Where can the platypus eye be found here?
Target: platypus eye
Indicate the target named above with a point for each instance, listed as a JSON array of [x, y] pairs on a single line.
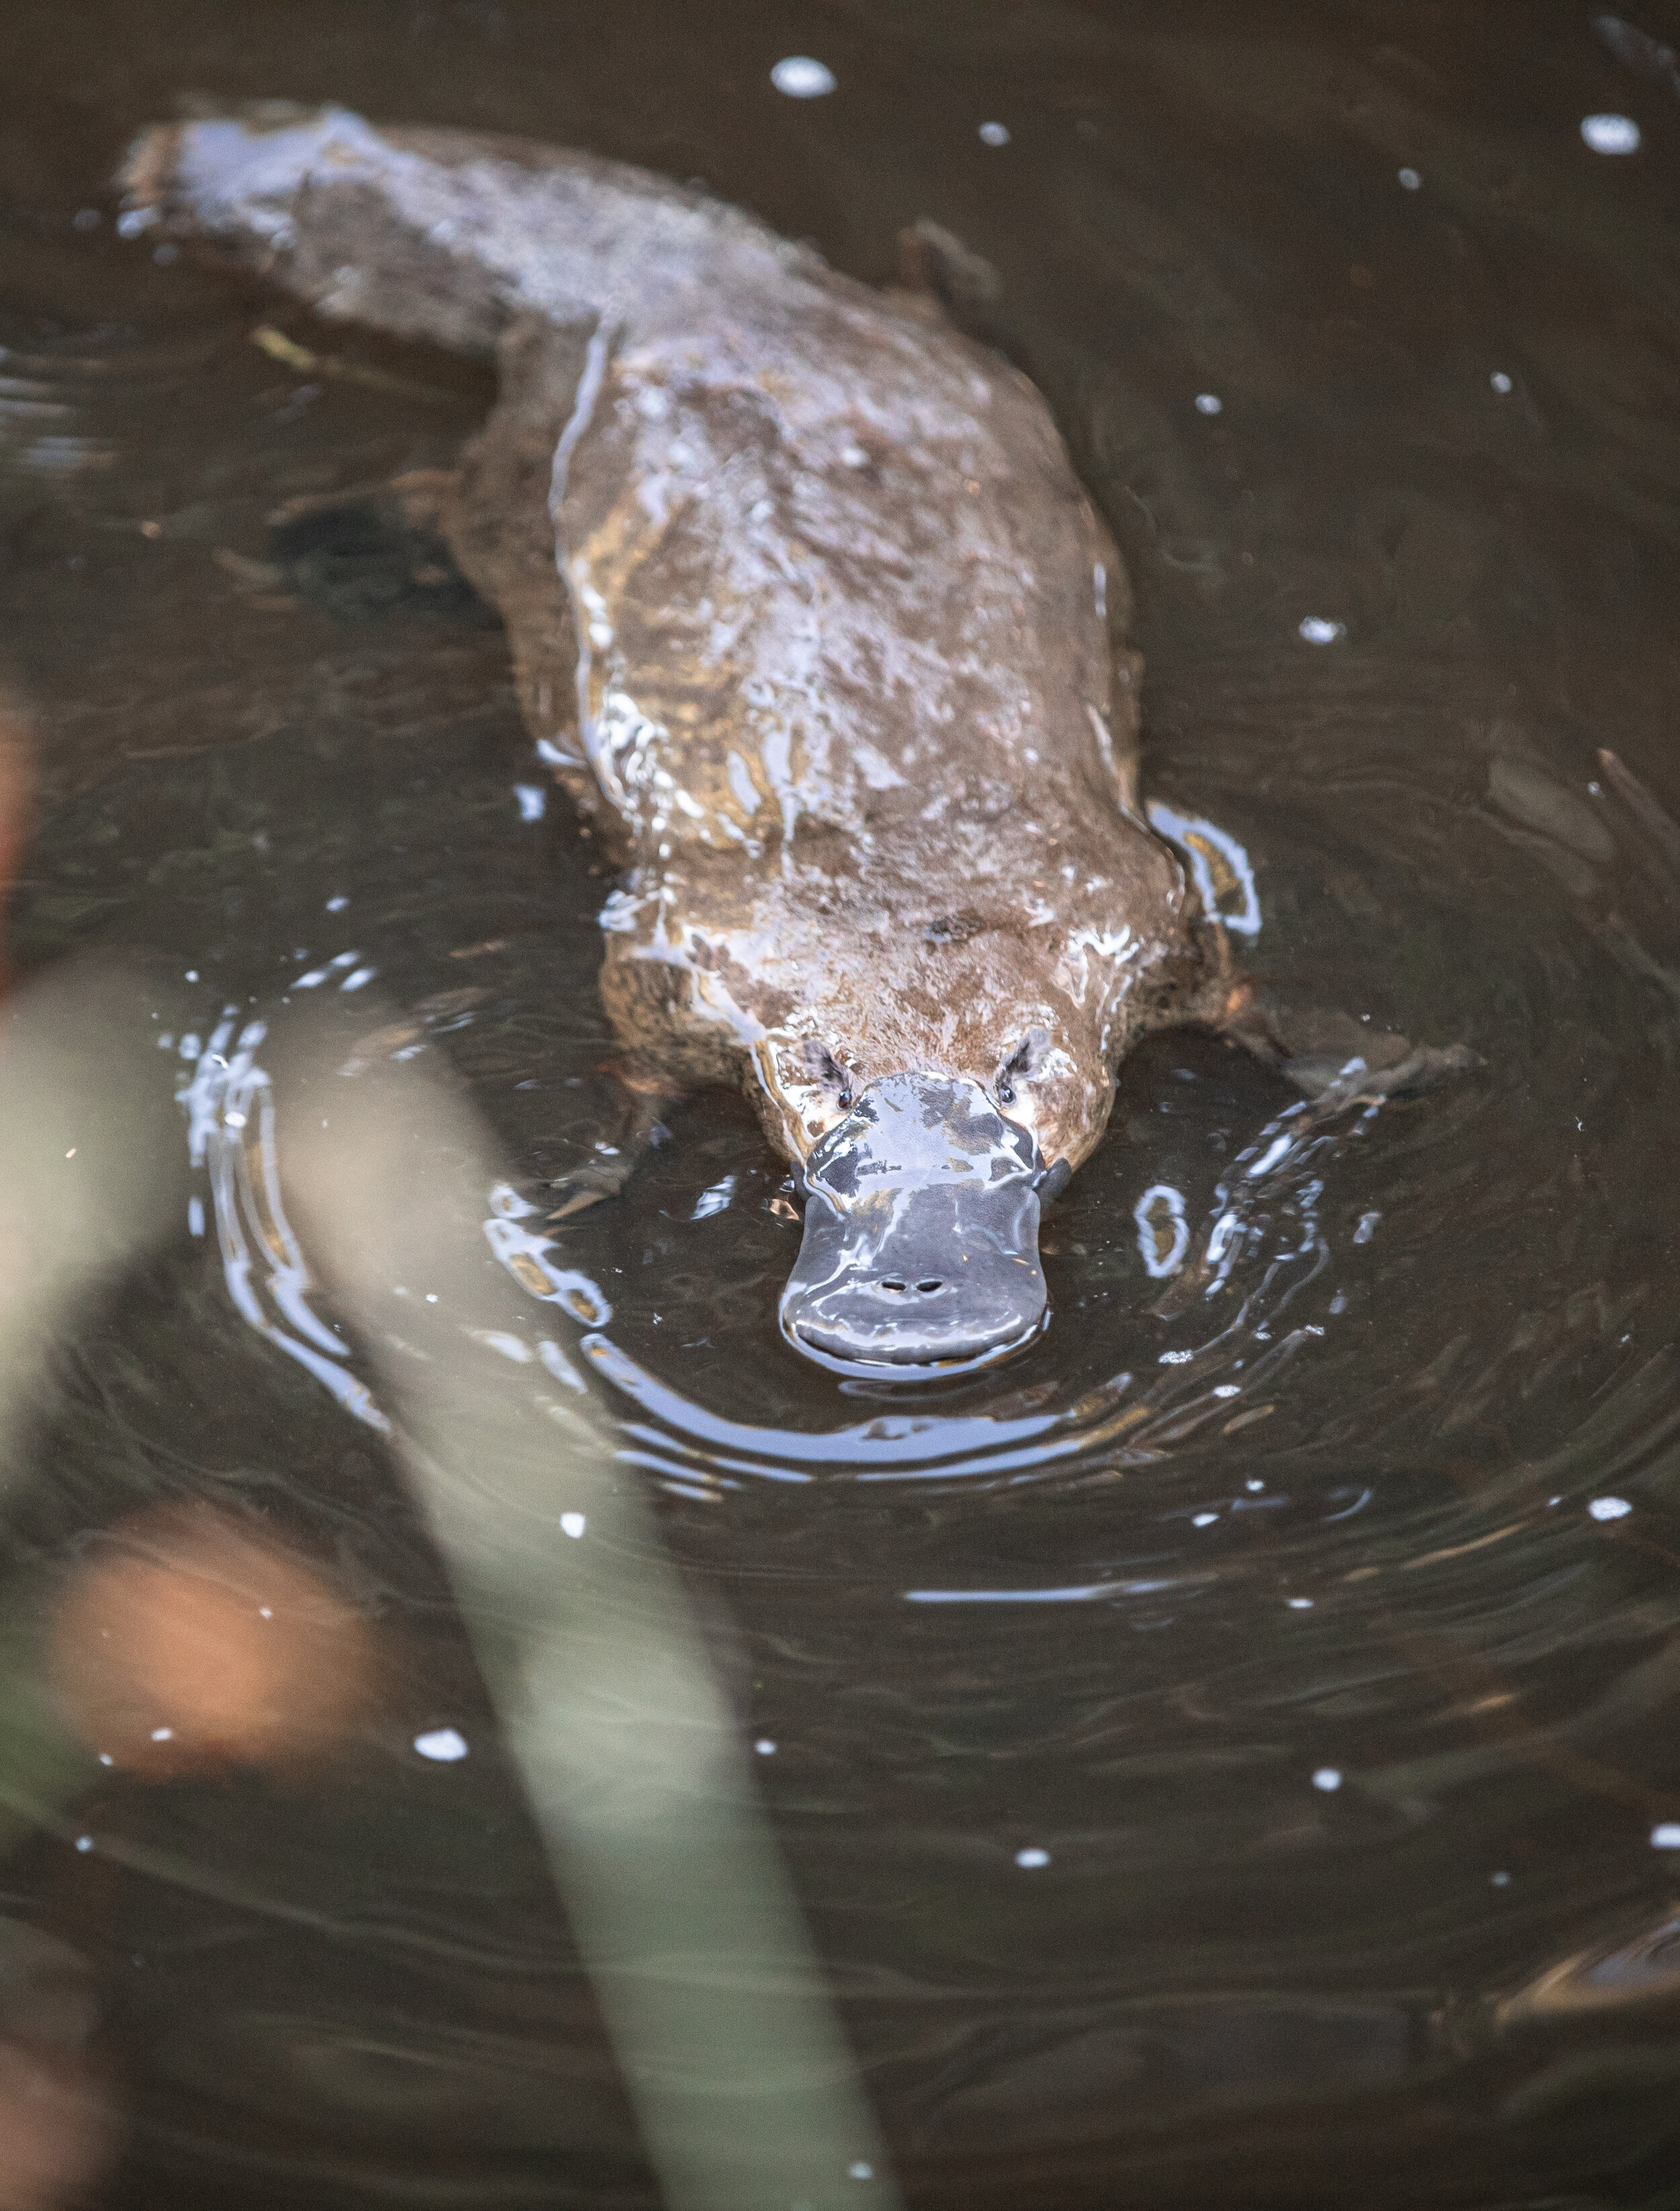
[[1023, 1064], [820, 1065]]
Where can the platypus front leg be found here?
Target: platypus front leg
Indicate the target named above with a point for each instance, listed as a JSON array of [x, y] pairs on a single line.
[[641, 1096], [1329, 1056]]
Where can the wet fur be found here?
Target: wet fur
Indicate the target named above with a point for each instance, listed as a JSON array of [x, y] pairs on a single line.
[[855, 709]]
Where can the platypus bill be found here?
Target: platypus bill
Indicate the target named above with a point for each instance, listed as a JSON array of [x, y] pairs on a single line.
[[810, 614]]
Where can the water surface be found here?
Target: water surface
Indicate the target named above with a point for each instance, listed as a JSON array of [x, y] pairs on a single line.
[[1220, 1752]]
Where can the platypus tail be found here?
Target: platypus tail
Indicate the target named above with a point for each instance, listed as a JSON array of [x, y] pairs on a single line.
[[443, 235]]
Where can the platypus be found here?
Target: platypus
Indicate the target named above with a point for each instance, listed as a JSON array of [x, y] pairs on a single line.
[[810, 613]]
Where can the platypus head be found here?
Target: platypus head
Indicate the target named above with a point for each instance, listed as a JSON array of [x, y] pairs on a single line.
[[920, 1253]]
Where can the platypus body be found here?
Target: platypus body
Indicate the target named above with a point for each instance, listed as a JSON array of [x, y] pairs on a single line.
[[811, 615]]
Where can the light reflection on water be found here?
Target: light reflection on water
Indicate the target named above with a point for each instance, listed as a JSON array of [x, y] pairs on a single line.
[[1050, 1660]]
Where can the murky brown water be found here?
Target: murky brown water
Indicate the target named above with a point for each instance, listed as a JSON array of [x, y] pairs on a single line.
[[1220, 1754]]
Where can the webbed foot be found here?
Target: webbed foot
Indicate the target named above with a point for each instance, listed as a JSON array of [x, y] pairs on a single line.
[[603, 1176], [639, 1099], [374, 549], [1331, 1058]]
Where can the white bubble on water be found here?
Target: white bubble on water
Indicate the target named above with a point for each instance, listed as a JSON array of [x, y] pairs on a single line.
[[1609, 1508], [1328, 1778], [1664, 1837], [1317, 630], [1410, 180], [1501, 382], [1209, 402], [1032, 1858], [1610, 134], [802, 78], [572, 1524], [994, 134], [442, 1745]]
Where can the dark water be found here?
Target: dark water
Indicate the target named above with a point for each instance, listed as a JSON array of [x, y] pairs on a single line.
[[1263, 1605]]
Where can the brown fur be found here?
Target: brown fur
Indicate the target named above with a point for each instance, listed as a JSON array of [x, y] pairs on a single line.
[[853, 705]]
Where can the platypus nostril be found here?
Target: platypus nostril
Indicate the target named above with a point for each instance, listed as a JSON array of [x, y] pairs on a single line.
[[927, 1287], [893, 1283]]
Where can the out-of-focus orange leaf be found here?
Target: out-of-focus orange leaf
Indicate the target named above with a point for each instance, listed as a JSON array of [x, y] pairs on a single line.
[[184, 1639]]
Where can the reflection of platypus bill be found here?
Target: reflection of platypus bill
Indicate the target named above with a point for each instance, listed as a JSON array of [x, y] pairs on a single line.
[[810, 609]]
